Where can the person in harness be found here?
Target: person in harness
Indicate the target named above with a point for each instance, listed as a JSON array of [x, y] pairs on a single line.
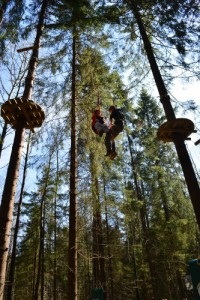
[[98, 123], [115, 129]]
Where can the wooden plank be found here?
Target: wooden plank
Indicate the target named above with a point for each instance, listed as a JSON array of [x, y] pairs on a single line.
[[27, 48], [197, 142]]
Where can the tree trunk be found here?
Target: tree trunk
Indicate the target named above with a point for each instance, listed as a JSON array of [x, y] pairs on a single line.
[[7, 203], [190, 177], [34, 272], [55, 233], [99, 278], [98, 251], [11, 275], [110, 265], [34, 57], [40, 262], [72, 255], [41, 270]]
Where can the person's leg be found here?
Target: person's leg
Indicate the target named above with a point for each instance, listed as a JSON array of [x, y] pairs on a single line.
[[114, 133], [108, 143], [109, 139], [113, 146]]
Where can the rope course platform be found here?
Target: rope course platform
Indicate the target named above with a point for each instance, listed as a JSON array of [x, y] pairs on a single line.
[[17, 111], [182, 126]]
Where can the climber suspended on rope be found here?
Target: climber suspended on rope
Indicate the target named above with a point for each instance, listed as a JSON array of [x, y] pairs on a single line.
[[115, 129], [99, 125]]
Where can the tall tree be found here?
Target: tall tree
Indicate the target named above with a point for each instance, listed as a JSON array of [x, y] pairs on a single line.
[[72, 256], [7, 203]]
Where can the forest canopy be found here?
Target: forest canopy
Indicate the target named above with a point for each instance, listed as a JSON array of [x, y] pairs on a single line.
[[75, 224]]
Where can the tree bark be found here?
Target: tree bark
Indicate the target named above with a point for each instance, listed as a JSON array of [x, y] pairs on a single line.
[[7, 203]]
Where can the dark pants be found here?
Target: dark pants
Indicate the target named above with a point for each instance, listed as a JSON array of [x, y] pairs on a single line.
[[111, 135]]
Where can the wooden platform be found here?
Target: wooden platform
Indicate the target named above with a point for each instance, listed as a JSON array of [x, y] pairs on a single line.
[[180, 125], [15, 111]]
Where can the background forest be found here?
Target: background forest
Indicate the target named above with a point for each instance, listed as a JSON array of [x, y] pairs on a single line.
[[84, 226]]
